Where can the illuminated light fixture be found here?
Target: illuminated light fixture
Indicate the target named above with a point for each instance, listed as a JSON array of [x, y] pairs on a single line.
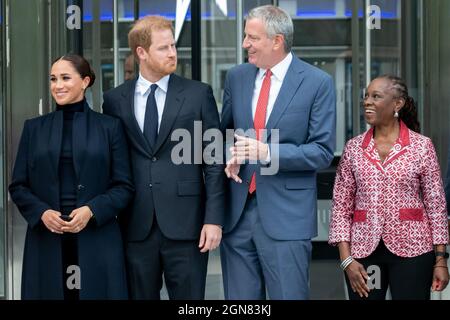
[[182, 9]]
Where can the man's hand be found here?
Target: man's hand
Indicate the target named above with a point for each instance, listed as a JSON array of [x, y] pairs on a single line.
[[210, 237], [232, 170], [80, 218], [249, 149]]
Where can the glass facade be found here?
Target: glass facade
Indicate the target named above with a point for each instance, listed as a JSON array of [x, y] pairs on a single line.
[[332, 49], [2, 157]]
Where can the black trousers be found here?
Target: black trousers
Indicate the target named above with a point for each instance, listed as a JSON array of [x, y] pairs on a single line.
[[69, 247], [179, 261], [407, 278]]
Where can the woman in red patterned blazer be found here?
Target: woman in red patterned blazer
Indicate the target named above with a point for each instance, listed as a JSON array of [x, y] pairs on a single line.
[[389, 216]]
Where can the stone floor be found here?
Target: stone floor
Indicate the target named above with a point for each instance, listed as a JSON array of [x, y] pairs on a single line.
[[326, 279]]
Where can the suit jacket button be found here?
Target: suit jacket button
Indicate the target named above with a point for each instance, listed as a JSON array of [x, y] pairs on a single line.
[[154, 159], [80, 187], [150, 185]]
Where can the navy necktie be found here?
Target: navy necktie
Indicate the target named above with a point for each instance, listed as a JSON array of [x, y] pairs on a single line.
[[151, 117]]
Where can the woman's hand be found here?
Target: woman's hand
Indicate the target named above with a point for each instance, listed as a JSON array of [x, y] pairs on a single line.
[[52, 221], [358, 277], [80, 218], [440, 275]]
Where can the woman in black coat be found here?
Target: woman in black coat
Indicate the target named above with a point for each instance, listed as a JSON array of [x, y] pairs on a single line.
[[71, 180]]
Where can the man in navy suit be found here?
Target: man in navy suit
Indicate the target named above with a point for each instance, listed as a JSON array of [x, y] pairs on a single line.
[[178, 209], [272, 218]]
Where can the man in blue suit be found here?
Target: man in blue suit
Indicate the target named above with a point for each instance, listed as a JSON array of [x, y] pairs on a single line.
[[272, 218]]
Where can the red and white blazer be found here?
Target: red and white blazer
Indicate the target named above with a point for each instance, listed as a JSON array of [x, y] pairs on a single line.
[[400, 200]]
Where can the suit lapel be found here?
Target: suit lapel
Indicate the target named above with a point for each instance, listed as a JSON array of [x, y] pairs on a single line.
[[79, 138], [247, 95], [289, 87], [400, 147], [127, 110], [172, 106], [55, 140]]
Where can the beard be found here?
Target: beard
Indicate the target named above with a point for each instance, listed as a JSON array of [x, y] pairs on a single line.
[[170, 67]]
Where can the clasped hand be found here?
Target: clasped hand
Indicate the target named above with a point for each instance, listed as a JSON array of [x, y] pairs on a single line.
[[79, 219]]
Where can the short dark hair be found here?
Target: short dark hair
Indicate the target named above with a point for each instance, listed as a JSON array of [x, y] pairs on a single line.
[[80, 64]]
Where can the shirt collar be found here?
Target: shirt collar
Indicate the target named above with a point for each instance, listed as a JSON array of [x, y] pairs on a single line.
[[279, 70], [143, 85], [403, 137]]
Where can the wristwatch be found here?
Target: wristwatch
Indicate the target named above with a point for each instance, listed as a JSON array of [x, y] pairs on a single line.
[[441, 254]]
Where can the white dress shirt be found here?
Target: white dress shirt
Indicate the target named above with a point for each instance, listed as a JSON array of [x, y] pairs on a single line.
[[276, 80], [141, 93]]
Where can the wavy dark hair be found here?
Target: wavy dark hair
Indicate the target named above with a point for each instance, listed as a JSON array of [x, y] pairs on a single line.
[[408, 114]]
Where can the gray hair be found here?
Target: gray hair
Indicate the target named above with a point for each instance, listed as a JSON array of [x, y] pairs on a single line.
[[277, 21]]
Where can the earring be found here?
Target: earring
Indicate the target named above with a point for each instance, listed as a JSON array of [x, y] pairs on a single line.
[[396, 114]]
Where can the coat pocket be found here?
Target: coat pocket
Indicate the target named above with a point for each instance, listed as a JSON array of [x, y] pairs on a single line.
[[359, 216], [411, 214]]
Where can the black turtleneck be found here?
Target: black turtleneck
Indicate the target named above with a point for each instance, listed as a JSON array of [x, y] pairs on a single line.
[[67, 178], [71, 108]]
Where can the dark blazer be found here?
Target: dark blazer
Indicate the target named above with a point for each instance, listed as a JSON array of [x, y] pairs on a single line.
[[183, 196], [104, 184]]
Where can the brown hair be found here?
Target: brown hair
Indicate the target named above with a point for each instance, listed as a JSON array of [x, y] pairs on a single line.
[[140, 34], [408, 114], [80, 64]]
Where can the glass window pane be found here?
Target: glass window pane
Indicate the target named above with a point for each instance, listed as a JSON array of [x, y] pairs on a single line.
[[98, 36], [385, 43], [219, 36], [322, 37], [250, 4], [2, 212], [315, 9], [219, 41]]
